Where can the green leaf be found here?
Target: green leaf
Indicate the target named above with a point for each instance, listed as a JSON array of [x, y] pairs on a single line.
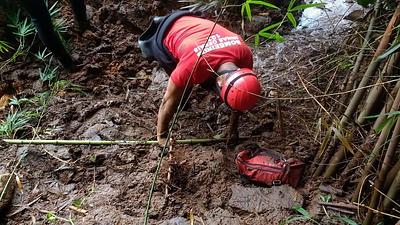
[[389, 114], [257, 40], [390, 121], [292, 19], [4, 46], [248, 11], [389, 51], [269, 5], [346, 220], [276, 36], [293, 219], [365, 3], [291, 3], [301, 210], [305, 6], [270, 27], [243, 9]]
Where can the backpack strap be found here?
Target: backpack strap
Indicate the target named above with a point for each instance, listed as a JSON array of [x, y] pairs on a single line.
[[151, 41]]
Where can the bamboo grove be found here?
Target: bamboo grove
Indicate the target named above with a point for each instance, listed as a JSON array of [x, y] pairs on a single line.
[[369, 169]]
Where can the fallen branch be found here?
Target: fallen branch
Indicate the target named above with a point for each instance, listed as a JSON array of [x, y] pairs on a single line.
[[339, 205], [340, 210]]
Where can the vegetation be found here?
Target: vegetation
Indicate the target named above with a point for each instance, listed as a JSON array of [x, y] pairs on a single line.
[[271, 31]]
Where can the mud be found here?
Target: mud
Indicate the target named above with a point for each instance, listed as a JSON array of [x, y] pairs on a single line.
[[121, 99]]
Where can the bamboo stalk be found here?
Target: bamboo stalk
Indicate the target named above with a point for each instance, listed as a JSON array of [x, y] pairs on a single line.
[[391, 175], [384, 170], [115, 142], [355, 161], [373, 66], [374, 96], [392, 193], [360, 56], [377, 91], [377, 148]]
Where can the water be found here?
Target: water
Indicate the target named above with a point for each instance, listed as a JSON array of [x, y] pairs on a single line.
[[329, 19]]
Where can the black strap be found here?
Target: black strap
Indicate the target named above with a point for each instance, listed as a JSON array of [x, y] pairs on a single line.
[[230, 86]]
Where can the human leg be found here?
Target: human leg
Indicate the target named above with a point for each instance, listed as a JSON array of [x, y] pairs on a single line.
[[42, 20]]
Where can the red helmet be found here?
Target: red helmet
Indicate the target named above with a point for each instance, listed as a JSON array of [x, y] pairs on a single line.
[[241, 90]]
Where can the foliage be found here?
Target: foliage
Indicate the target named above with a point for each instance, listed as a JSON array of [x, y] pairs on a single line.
[[391, 118], [326, 198], [49, 73], [13, 122], [27, 112], [365, 3], [51, 217], [271, 31], [305, 216], [42, 55], [4, 47], [345, 220]]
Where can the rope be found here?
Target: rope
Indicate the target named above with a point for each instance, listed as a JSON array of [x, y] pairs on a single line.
[[151, 191]]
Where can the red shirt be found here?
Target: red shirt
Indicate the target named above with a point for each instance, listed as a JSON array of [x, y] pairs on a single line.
[[186, 39]]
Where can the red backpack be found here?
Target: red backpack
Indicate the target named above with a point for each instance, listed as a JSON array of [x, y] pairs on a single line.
[[269, 167]]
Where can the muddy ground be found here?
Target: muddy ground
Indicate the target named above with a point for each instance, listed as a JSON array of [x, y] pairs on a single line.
[[122, 95]]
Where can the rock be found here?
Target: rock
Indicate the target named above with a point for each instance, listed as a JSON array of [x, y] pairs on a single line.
[[176, 221], [160, 80], [92, 133], [259, 200], [61, 152], [221, 217], [9, 193]]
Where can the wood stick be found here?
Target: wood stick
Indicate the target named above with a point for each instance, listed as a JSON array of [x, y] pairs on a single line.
[[339, 205], [340, 210]]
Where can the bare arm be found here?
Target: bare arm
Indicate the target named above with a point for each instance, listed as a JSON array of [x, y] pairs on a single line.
[[167, 109]]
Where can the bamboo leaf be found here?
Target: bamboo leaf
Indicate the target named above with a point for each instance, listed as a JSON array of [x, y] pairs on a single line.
[[243, 9], [293, 219], [343, 139], [248, 11], [390, 121], [276, 36], [389, 51], [257, 40], [305, 6], [270, 27], [394, 113], [291, 3], [269, 5], [302, 211], [346, 220], [292, 19]]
